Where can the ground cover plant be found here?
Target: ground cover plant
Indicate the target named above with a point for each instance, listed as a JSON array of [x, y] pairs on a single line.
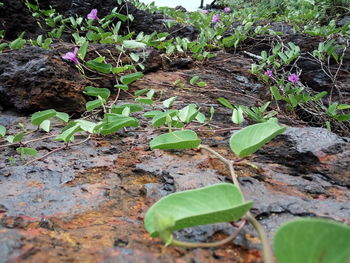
[[302, 240]]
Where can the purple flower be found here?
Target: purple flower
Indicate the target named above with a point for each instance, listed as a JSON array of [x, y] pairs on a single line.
[[204, 11], [268, 73], [72, 56], [215, 19], [227, 10], [93, 15], [294, 78]]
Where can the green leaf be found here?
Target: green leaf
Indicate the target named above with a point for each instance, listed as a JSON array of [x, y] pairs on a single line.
[[208, 205], [312, 240], [102, 92], [122, 87], [276, 93], [201, 84], [226, 103], [91, 105], [128, 79], [2, 131], [67, 134], [134, 57], [185, 139], [83, 49], [114, 122], [342, 117], [40, 116], [237, 116], [151, 114], [140, 92], [86, 125], [169, 102], [134, 44], [250, 139], [200, 117], [27, 151], [144, 100], [161, 118], [45, 125], [99, 66], [188, 113], [194, 80], [133, 108], [62, 116], [17, 138]]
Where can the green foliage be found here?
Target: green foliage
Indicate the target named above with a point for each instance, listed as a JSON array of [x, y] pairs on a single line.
[[312, 240], [2, 131], [40, 116], [128, 79], [208, 205], [185, 139], [100, 66], [23, 151], [250, 139]]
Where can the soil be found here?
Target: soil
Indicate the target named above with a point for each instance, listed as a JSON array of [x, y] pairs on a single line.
[[86, 203]]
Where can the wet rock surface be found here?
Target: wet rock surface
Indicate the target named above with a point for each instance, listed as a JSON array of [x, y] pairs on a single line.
[[86, 203]]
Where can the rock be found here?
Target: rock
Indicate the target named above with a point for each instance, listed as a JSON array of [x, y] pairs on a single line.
[[10, 244], [33, 79]]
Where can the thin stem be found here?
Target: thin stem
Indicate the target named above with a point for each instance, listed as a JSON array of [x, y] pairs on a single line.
[[267, 251], [224, 160], [178, 243], [56, 150], [26, 142]]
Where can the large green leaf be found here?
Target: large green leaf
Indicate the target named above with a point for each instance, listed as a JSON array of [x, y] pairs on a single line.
[[40, 116], [185, 139], [252, 138], [313, 240], [208, 205]]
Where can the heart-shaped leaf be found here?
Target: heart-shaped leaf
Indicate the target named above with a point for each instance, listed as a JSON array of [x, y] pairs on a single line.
[[185, 139], [312, 240], [252, 138], [40, 116], [62, 116], [208, 205], [102, 92], [188, 113], [128, 79], [45, 125]]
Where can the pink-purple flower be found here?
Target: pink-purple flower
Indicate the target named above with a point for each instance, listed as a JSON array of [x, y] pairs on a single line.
[[93, 15], [72, 56], [205, 11], [227, 10], [294, 78], [268, 73], [216, 18]]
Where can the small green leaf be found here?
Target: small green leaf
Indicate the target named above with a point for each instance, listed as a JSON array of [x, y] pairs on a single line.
[[144, 100], [237, 116], [67, 134], [194, 80], [114, 122], [45, 125], [122, 87], [85, 125], [27, 151], [161, 118], [17, 138], [276, 93], [2, 131], [226, 103], [40, 116], [83, 49], [62, 116], [140, 92], [185, 139], [312, 240], [134, 57], [128, 79], [99, 66], [134, 44], [169, 102], [151, 114], [252, 138], [188, 113], [133, 108], [200, 117], [201, 84], [91, 105], [208, 205], [102, 92]]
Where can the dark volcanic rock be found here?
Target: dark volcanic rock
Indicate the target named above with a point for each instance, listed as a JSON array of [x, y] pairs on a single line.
[[33, 79]]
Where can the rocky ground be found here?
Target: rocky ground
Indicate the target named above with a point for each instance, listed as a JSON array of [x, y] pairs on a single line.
[[86, 203]]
